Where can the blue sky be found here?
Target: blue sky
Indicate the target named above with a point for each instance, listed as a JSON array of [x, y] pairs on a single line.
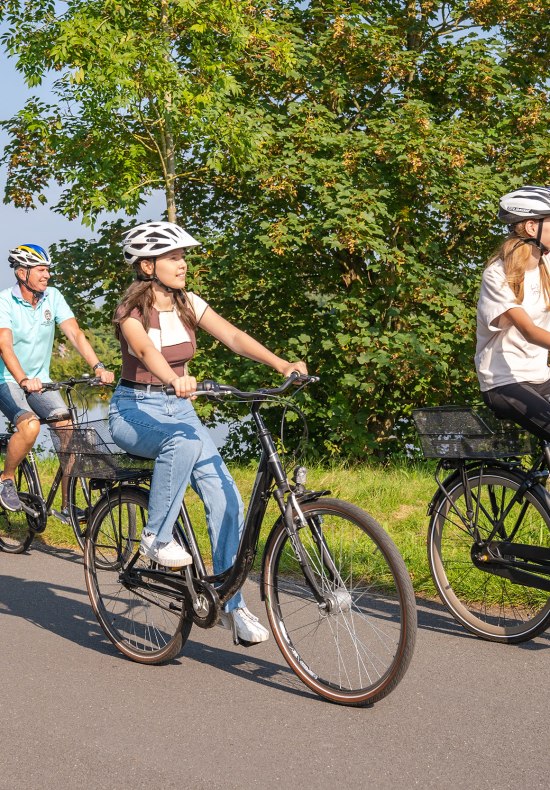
[[41, 226]]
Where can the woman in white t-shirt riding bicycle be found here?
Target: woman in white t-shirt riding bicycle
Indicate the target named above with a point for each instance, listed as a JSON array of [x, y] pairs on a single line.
[[155, 323], [513, 314]]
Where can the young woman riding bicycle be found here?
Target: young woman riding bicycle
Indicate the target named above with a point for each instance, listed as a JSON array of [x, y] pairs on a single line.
[[513, 316], [156, 323]]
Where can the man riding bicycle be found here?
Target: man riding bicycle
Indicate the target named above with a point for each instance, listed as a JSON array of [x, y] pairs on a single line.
[[29, 312]]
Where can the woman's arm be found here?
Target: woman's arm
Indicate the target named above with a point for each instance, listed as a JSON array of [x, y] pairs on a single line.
[[530, 331], [245, 345]]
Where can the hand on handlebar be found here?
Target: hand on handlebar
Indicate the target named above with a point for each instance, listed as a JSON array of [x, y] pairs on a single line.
[[294, 367], [32, 385], [184, 386], [104, 376]]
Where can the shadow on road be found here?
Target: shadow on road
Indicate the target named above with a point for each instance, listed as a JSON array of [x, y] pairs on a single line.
[[433, 616], [54, 607], [66, 611], [248, 667]]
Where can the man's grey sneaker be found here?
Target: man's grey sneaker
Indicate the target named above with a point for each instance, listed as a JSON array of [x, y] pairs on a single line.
[[9, 498], [172, 555], [63, 515], [245, 626]]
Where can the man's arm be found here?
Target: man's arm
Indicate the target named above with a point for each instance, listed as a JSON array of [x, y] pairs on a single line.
[[12, 363], [78, 339]]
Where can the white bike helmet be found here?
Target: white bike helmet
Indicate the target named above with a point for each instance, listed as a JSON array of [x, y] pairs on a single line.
[[152, 239], [525, 203], [28, 255]]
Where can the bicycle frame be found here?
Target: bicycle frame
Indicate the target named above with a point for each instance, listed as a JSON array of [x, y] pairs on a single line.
[[270, 471]]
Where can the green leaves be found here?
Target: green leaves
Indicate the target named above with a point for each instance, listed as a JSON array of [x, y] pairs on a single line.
[[341, 160]]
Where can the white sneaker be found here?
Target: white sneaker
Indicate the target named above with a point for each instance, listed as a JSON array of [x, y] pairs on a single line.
[[172, 555], [245, 626]]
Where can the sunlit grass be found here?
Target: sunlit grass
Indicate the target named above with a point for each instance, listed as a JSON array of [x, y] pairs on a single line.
[[397, 496]]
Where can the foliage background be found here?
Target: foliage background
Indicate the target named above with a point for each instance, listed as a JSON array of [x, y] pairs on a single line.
[[340, 161]]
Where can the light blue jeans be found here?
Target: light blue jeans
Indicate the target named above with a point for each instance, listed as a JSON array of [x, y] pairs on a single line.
[[166, 428]]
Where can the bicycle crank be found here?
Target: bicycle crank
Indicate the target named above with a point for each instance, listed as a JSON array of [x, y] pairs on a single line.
[[205, 603]]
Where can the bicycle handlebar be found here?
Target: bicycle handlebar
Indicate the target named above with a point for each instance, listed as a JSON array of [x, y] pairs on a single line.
[[72, 382], [212, 389], [207, 388]]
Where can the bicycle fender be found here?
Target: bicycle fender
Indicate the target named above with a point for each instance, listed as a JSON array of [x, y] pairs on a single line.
[[117, 488], [450, 480]]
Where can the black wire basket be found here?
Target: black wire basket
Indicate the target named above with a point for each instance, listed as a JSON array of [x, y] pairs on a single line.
[[461, 432], [89, 451]]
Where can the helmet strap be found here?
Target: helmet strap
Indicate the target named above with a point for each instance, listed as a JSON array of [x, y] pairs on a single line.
[[153, 278], [25, 283], [538, 242], [534, 242]]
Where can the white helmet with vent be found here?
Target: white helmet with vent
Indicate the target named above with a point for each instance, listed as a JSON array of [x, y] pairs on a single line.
[[152, 239], [525, 203]]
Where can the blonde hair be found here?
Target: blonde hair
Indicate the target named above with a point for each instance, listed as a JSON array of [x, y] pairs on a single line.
[[515, 254]]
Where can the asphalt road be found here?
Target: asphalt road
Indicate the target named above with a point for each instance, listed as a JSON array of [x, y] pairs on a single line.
[[468, 714]]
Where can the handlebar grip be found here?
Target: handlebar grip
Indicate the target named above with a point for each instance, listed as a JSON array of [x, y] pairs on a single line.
[[208, 385]]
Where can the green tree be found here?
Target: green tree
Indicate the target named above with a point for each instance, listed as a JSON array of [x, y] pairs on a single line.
[[362, 233], [343, 171], [141, 85]]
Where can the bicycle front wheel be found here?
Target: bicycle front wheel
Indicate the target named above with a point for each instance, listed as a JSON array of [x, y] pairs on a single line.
[[351, 644], [17, 529], [143, 623], [490, 606], [82, 495]]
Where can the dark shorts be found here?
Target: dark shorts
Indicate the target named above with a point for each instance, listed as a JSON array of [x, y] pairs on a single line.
[[14, 402], [524, 403]]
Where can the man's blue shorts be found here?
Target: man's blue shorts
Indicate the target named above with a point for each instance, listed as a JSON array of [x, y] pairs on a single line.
[[14, 402]]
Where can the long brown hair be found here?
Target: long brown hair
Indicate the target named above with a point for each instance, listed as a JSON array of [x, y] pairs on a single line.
[[515, 255], [140, 295]]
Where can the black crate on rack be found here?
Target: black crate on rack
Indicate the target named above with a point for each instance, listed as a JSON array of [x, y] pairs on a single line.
[[461, 432]]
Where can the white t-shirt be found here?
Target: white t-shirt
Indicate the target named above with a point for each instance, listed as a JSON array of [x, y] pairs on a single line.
[[503, 355]]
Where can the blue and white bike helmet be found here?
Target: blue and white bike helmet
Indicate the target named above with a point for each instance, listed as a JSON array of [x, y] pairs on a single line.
[[28, 255]]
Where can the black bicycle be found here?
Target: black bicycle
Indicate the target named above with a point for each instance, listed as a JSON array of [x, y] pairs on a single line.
[[339, 600], [17, 529], [489, 530]]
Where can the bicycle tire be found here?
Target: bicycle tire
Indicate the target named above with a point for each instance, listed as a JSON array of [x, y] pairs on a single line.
[[139, 622], [489, 606], [357, 653], [81, 496], [17, 528]]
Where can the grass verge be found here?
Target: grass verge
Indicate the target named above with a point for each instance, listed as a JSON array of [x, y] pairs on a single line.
[[396, 496]]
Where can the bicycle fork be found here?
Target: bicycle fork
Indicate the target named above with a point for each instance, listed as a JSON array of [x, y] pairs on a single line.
[[337, 598]]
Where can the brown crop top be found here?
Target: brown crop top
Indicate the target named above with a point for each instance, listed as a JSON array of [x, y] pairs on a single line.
[[175, 342]]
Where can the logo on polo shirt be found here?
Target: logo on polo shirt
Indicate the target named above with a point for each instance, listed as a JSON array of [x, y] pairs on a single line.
[[47, 315]]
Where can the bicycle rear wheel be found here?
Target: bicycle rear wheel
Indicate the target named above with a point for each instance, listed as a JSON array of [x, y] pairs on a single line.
[[142, 622], [490, 606], [355, 645], [17, 529]]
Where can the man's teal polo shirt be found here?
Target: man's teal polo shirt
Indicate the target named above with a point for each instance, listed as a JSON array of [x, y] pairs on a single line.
[[33, 330]]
